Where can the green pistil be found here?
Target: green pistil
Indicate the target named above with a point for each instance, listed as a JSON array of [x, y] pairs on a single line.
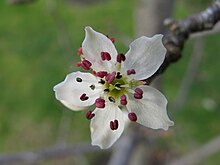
[[117, 87]]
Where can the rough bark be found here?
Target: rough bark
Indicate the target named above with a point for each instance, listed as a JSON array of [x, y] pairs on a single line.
[[180, 31]]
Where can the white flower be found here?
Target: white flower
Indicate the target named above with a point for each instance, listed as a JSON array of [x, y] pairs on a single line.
[[116, 89]]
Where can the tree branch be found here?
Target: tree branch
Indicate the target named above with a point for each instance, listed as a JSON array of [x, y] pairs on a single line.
[[199, 155], [47, 153], [180, 31]]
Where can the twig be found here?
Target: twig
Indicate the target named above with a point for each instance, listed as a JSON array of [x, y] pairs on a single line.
[[47, 153], [180, 30], [200, 154]]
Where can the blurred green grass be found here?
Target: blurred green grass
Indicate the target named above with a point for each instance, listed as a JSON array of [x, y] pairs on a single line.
[[33, 59]]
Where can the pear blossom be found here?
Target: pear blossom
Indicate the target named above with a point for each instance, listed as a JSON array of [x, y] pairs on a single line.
[[115, 87]]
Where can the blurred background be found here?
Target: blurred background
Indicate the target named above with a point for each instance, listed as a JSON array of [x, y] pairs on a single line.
[[38, 47]]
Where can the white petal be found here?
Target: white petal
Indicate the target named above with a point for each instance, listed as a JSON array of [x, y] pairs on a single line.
[[145, 56], [92, 46], [69, 91], [101, 133], [72, 106], [151, 109]]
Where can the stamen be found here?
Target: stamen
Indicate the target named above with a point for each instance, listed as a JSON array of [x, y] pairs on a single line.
[[89, 115], [100, 103], [101, 74], [131, 71], [86, 64], [92, 87], [112, 99], [114, 125], [138, 93], [106, 90], [132, 116], [110, 77], [118, 85], [79, 52], [102, 81], [118, 76], [123, 100], [120, 57], [83, 97], [78, 79], [105, 56]]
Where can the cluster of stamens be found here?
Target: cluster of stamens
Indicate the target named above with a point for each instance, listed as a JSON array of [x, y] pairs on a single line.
[[114, 86]]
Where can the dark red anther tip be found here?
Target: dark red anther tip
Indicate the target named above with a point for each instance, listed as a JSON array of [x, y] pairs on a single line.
[[101, 74], [110, 77], [100, 103], [86, 64], [131, 71], [83, 97], [114, 125], [139, 91], [120, 57], [105, 56], [123, 100], [89, 115], [132, 116]]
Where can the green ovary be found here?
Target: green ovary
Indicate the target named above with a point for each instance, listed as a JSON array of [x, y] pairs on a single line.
[[116, 92]]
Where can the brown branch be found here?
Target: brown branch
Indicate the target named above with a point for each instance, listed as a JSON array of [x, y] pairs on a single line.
[[200, 154], [47, 153], [180, 30]]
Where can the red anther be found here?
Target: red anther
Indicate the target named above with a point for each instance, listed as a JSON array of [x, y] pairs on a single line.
[[139, 91], [105, 56], [100, 103], [79, 52], [132, 116], [138, 96], [86, 64], [78, 64], [101, 74], [83, 97], [131, 71], [89, 115], [120, 57], [110, 77], [112, 39], [123, 100], [114, 125]]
